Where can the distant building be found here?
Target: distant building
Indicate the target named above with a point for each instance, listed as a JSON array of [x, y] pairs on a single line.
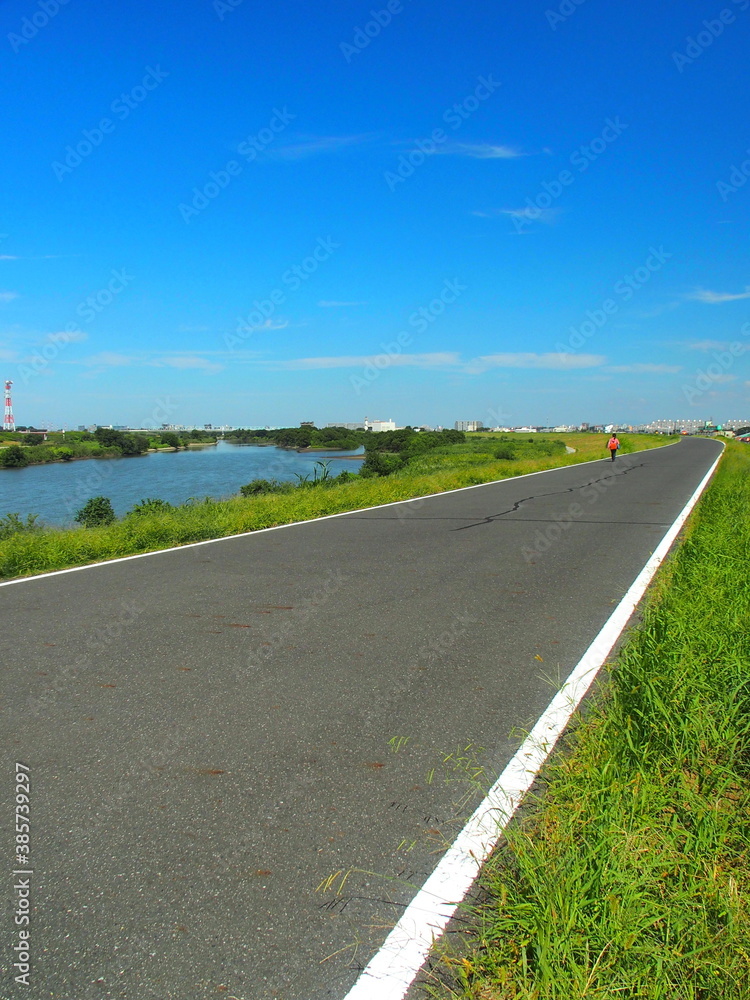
[[376, 426], [307, 423], [468, 425]]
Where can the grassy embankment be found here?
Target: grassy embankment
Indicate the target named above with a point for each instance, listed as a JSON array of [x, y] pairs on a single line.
[[440, 469], [631, 878]]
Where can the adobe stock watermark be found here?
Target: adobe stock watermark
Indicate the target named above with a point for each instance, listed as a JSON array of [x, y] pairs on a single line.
[[718, 371], [711, 29], [88, 309], [738, 178], [147, 765], [224, 7], [93, 648], [419, 321], [249, 148], [565, 10], [622, 292], [122, 107], [370, 30], [560, 524], [455, 116], [327, 587], [439, 645], [91, 481], [32, 25], [581, 158], [291, 280]]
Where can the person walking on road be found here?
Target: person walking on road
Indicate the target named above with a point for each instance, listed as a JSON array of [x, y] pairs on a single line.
[[613, 444]]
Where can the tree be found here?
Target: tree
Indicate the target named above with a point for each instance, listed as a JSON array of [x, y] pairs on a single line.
[[133, 444], [108, 438], [14, 457], [95, 512], [170, 439], [379, 464]]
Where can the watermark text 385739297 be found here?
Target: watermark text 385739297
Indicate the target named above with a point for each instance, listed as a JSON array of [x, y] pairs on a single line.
[[22, 876]]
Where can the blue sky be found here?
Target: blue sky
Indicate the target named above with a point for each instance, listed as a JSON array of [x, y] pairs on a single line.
[[249, 214]]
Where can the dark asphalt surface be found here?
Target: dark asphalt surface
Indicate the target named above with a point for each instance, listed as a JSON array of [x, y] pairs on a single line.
[[210, 730]]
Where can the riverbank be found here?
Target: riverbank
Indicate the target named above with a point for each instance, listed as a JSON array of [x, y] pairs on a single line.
[[19, 450], [630, 875], [446, 468], [56, 491]]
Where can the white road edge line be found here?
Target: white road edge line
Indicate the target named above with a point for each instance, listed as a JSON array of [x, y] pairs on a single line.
[[313, 520], [393, 969]]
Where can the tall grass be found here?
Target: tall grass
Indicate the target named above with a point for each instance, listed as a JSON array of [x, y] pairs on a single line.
[[57, 549], [632, 877]]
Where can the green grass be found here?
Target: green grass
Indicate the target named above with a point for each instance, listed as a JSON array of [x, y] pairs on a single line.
[[630, 877], [24, 554]]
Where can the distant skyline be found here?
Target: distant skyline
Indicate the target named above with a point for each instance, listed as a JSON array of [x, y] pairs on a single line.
[[246, 215]]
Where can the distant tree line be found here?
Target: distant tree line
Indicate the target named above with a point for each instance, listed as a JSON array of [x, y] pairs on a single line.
[[335, 438], [390, 451], [104, 442]]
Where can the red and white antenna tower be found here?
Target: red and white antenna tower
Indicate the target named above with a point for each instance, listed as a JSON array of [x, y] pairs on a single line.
[[9, 423]]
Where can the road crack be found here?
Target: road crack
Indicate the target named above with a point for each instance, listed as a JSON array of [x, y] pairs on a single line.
[[540, 496]]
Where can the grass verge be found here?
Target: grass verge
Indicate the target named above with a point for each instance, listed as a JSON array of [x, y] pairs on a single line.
[[26, 553], [631, 877]]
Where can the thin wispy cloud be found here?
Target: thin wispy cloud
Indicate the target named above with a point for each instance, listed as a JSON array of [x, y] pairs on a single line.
[[317, 146], [525, 215], [657, 311], [643, 368], [717, 298], [182, 362], [67, 337], [45, 256], [480, 151], [107, 359], [266, 326], [708, 345], [325, 304], [188, 362], [438, 360], [8, 296], [552, 361], [450, 360]]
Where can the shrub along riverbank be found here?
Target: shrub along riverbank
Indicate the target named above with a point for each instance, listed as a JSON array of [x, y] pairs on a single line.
[[418, 471], [631, 877], [17, 450]]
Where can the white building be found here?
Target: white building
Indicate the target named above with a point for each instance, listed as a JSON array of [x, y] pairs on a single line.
[[379, 425], [468, 425]]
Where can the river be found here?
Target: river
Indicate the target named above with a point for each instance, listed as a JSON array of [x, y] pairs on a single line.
[[56, 491]]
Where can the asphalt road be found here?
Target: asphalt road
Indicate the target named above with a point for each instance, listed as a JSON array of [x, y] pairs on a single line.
[[215, 731]]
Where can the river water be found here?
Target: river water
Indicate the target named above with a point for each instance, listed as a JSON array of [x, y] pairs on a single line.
[[56, 491]]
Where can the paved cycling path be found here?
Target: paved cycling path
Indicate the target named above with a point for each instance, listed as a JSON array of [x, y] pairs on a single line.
[[211, 730]]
